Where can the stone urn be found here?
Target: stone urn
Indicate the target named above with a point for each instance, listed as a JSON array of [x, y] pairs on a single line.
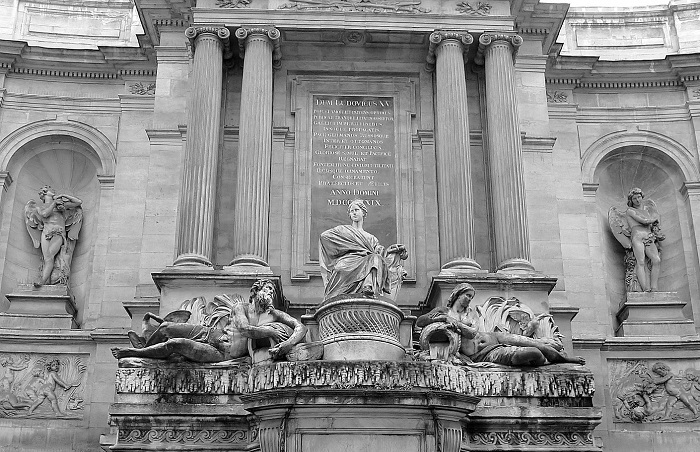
[[358, 328]]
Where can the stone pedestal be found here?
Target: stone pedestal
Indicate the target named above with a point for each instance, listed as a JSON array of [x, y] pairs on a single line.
[[352, 406], [653, 314], [43, 307], [177, 284]]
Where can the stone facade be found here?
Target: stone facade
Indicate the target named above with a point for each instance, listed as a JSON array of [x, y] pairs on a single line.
[[516, 126]]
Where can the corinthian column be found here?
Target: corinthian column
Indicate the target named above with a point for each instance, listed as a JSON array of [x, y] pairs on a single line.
[[456, 220], [198, 189], [505, 153], [259, 47]]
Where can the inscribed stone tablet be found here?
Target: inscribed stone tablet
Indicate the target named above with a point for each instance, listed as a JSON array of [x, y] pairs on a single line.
[[353, 156]]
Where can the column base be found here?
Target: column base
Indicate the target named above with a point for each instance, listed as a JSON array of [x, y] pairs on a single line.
[[516, 266], [196, 260], [462, 266]]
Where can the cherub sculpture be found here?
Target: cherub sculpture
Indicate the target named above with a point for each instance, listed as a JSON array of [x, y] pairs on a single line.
[[54, 227], [637, 229], [353, 262]]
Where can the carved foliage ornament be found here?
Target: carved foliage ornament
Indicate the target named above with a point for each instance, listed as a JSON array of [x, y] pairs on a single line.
[[511, 438], [172, 436], [143, 89], [42, 386], [481, 9], [557, 97], [369, 6], [233, 3]]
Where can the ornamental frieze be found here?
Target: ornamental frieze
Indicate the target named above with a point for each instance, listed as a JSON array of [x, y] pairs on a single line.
[[481, 8], [39, 386], [368, 6], [655, 391], [514, 438]]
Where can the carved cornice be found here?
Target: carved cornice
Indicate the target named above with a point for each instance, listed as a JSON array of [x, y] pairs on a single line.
[[487, 39], [222, 33], [438, 36], [272, 33]]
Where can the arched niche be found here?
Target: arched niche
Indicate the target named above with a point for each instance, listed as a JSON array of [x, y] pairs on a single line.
[[659, 175], [69, 165]]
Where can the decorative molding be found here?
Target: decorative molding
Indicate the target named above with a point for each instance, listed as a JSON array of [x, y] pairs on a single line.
[[272, 33], [695, 93], [5, 180], [481, 8], [143, 88], [180, 436], [62, 104], [633, 115], [562, 81], [376, 6], [64, 73], [639, 84], [557, 97], [138, 72], [438, 36], [233, 3], [487, 39], [514, 438]]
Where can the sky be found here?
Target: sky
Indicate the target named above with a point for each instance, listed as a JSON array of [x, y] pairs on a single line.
[[609, 3]]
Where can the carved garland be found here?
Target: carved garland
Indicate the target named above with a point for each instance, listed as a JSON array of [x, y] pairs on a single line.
[[233, 3], [557, 97], [370, 6], [143, 89], [481, 9]]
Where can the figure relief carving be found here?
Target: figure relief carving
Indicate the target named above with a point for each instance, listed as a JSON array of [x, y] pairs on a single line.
[[637, 229], [228, 328], [645, 392], [481, 8], [54, 227], [374, 6], [41, 386], [353, 262], [500, 332]]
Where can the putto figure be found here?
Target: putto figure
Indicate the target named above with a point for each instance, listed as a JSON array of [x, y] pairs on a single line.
[[637, 229], [485, 346], [54, 227], [353, 262]]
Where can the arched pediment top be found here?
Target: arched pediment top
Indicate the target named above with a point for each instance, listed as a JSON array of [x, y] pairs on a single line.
[[96, 140], [607, 144]]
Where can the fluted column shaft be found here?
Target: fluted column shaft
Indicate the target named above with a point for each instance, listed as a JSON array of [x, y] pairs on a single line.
[[255, 147], [455, 200], [198, 188], [505, 154]]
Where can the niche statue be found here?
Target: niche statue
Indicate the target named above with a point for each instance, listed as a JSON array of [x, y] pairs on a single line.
[[353, 262], [54, 227], [637, 229]]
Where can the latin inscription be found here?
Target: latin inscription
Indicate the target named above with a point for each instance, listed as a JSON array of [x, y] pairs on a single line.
[[353, 156]]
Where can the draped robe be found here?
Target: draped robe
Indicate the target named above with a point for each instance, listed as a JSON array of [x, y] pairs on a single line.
[[347, 256]]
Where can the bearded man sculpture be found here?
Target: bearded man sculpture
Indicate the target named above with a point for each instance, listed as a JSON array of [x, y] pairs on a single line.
[[353, 262]]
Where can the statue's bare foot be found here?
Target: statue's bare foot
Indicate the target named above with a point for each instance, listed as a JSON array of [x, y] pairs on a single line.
[[577, 360]]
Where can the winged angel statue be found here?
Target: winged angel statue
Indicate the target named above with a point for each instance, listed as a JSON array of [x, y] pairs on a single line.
[[54, 227], [637, 229]]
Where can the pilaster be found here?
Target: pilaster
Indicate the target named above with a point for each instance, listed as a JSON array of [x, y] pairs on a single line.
[[259, 47], [505, 162], [198, 189], [455, 199]]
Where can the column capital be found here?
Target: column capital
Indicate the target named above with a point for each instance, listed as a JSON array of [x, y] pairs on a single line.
[[439, 36], [222, 33], [270, 33], [486, 40]]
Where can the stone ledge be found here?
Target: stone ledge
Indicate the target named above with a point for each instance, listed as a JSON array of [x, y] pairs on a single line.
[[562, 380]]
